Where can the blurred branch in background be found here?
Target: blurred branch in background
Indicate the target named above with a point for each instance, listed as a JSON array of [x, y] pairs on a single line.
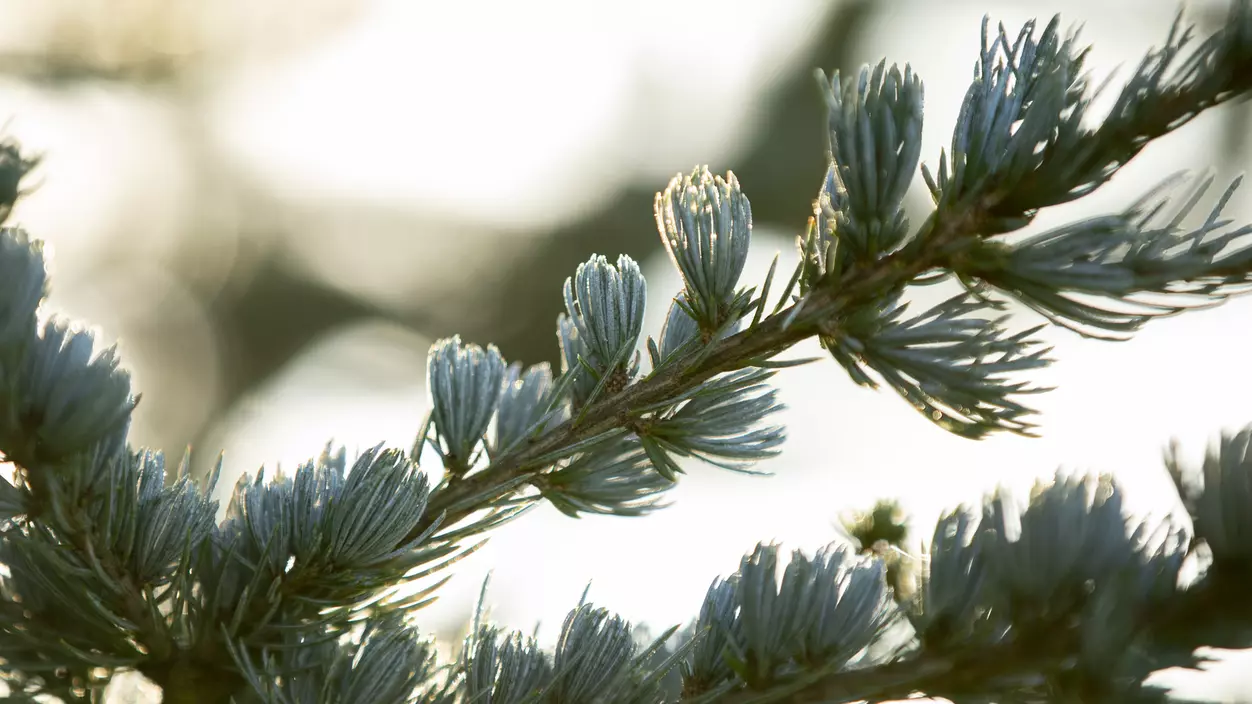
[[154, 42]]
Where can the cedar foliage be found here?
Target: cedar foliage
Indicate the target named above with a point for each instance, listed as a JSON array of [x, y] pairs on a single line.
[[303, 592]]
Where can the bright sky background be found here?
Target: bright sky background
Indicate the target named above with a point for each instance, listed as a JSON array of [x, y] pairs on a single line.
[[326, 128]]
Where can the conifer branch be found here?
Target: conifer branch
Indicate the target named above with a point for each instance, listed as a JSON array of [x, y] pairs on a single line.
[[293, 597], [1162, 96]]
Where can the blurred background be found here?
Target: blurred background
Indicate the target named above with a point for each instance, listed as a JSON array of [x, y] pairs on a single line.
[[275, 207]]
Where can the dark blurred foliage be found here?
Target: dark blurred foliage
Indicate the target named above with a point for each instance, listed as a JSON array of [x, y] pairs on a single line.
[[884, 523], [882, 531], [14, 169]]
